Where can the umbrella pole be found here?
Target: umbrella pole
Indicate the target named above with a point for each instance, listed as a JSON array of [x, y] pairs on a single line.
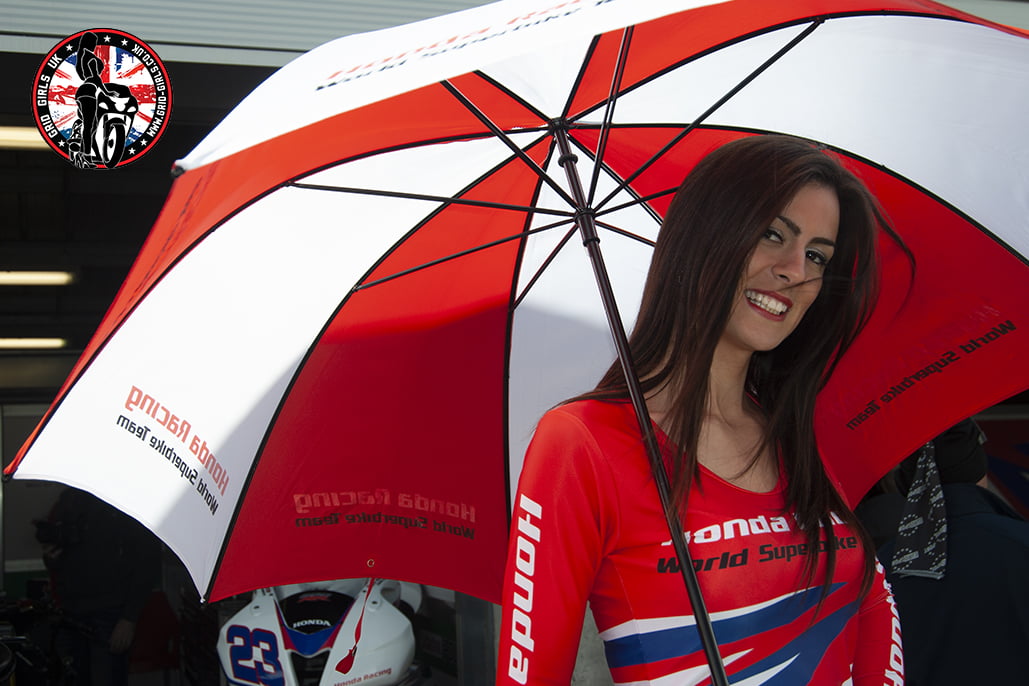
[[584, 220]]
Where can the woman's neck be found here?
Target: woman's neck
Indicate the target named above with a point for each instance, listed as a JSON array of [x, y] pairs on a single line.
[[727, 398], [731, 440]]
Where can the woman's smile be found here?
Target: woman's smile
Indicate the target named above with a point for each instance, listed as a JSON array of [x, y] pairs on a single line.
[[774, 305]]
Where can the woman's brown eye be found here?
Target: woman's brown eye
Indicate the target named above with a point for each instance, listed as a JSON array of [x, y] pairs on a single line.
[[818, 258]]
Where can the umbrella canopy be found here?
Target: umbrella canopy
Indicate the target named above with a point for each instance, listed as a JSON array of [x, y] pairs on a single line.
[[366, 285]]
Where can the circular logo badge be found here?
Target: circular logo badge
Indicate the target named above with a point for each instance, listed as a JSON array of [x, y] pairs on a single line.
[[101, 98]]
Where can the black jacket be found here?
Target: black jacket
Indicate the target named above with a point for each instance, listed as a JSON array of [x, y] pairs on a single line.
[[971, 626]]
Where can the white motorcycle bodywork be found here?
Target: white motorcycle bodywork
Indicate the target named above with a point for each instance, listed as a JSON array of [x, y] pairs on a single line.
[[370, 643]]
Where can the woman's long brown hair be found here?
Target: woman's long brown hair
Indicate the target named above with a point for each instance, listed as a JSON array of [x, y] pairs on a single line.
[[720, 212]]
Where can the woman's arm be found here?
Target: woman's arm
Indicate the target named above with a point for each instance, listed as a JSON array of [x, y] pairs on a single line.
[[879, 657], [556, 545]]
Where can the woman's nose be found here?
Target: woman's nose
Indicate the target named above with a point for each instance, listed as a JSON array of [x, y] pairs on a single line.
[[790, 266]]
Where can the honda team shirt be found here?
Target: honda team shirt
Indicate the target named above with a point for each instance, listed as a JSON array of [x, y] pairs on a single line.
[[588, 527]]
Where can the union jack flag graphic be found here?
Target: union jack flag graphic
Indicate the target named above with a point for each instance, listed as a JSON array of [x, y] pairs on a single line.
[[126, 66]]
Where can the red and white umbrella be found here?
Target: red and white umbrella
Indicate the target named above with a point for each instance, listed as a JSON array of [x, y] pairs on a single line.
[[367, 285]]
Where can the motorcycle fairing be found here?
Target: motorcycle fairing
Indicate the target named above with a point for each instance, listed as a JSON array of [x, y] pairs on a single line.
[[255, 647]]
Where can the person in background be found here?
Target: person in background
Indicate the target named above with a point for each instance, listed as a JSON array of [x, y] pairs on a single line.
[[957, 557], [103, 567], [763, 273]]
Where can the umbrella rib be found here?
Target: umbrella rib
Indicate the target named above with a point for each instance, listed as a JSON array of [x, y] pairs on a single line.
[[461, 253], [515, 97], [609, 109], [564, 241], [506, 140], [628, 234], [713, 108], [546, 263], [583, 68], [643, 200], [445, 199]]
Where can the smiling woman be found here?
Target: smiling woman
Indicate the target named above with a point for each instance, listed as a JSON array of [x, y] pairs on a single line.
[[763, 273]]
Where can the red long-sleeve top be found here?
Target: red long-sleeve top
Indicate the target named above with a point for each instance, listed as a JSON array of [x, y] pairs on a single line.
[[588, 527]]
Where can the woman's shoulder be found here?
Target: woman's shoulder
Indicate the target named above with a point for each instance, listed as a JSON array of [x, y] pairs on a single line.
[[610, 426], [595, 414], [590, 436]]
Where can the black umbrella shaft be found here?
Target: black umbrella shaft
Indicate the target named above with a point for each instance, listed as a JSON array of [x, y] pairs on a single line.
[[586, 224]]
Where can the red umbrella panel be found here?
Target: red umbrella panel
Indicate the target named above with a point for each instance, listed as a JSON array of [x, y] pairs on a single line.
[[367, 284]]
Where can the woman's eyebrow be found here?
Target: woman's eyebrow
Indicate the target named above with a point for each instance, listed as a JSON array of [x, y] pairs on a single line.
[[795, 229]]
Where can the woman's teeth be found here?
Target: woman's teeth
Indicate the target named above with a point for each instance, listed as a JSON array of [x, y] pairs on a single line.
[[766, 303]]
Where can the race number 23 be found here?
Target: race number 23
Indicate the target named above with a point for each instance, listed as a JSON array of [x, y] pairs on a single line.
[[254, 656]]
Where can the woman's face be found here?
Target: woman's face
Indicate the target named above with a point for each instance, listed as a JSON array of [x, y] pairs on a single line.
[[784, 274]]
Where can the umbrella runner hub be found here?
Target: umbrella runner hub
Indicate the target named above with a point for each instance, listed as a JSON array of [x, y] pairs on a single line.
[[558, 128]]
